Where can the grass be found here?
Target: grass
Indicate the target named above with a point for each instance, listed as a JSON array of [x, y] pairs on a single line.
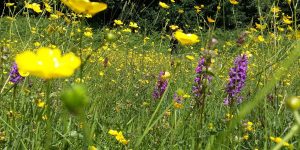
[[119, 76]]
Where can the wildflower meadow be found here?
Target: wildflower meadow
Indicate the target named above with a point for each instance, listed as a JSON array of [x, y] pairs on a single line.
[[148, 74]]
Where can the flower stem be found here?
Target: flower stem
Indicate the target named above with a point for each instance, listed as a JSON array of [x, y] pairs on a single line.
[[293, 131], [48, 117]]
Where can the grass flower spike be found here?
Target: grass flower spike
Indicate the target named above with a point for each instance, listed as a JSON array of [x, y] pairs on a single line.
[[85, 6], [47, 63], [186, 39]]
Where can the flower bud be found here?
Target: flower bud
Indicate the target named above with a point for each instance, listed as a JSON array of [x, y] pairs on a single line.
[[110, 36], [293, 103], [75, 99]]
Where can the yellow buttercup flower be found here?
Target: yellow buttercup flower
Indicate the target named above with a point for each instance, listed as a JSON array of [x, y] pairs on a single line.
[[260, 26], [173, 27], [133, 25], [126, 30], [189, 57], [233, 2], [34, 6], [210, 20], [280, 29], [163, 5], [186, 39], [113, 132], [48, 7], [260, 38], [181, 11], [287, 20], [166, 76], [85, 6], [178, 105], [53, 17], [119, 136], [88, 34], [40, 103], [47, 63], [278, 140], [275, 9], [118, 22], [246, 137]]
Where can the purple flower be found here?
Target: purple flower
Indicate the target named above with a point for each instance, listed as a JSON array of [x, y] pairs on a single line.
[[160, 86], [200, 77], [178, 98], [14, 75], [237, 79]]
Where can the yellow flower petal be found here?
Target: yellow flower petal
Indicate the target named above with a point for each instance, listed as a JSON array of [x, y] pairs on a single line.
[[85, 6], [186, 39]]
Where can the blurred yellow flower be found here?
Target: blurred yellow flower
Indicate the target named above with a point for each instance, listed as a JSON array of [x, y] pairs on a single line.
[[113, 132], [280, 29], [85, 6], [34, 6], [40, 103], [163, 5], [278, 140], [260, 38], [166, 76], [133, 24], [37, 44], [101, 73], [54, 17], [246, 137], [126, 30], [178, 105], [119, 136], [118, 22], [9, 4], [233, 2], [181, 11], [287, 20], [189, 57], [92, 148], [48, 8], [47, 63], [261, 27], [275, 9], [197, 8], [210, 20], [186, 96], [173, 27], [186, 39], [88, 34]]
